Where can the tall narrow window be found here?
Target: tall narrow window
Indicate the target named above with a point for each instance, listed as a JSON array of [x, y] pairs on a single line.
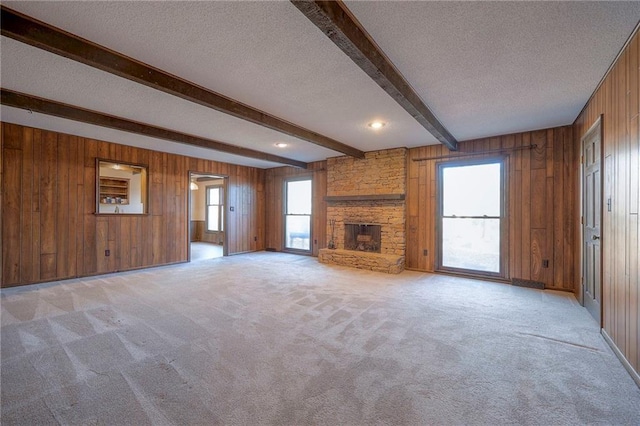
[[297, 215], [471, 220], [215, 208]]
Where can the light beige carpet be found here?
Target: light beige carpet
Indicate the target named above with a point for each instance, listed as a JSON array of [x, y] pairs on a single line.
[[271, 338]]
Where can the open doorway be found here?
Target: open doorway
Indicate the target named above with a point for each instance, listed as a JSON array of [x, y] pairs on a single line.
[[207, 221]]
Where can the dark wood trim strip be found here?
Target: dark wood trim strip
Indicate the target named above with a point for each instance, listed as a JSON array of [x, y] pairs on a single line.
[[70, 112], [39, 34], [369, 197], [336, 22]]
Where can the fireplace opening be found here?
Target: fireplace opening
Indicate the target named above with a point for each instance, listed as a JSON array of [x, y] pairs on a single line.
[[362, 237]]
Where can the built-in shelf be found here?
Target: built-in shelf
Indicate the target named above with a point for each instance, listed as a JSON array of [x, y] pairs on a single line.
[[368, 197], [114, 191]]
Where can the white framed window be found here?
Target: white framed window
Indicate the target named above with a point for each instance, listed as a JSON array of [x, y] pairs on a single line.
[[215, 208], [297, 214], [472, 225]]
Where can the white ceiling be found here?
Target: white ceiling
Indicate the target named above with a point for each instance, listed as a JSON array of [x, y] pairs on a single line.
[[494, 68], [484, 68]]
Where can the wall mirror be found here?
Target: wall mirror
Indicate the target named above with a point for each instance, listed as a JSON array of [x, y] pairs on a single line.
[[122, 188]]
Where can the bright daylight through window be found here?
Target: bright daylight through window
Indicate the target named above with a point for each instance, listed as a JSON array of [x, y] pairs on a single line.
[[298, 215], [471, 205], [215, 209]]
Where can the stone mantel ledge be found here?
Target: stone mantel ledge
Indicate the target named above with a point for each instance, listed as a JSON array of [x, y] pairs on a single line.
[[365, 197], [389, 263]]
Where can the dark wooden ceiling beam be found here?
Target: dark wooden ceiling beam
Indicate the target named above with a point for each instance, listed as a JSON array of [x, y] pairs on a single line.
[[336, 22], [44, 36], [70, 112]]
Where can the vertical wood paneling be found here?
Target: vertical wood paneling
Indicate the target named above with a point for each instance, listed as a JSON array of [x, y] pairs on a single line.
[[541, 201], [74, 200], [12, 170], [570, 243], [35, 202], [525, 219], [50, 229], [558, 189], [617, 100], [102, 235], [538, 193], [90, 243], [232, 216], [63, 208], [28, 232], [47, 162]]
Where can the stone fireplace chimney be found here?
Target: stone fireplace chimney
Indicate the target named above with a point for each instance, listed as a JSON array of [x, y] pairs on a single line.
[[367, 191]]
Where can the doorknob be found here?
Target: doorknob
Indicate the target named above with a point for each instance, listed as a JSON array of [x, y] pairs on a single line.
[[595, 237]]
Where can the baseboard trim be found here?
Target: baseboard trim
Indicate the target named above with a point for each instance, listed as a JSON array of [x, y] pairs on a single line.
[[634, 374]]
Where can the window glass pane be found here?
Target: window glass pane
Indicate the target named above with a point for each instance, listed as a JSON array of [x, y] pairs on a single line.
[[222, 218], [299, 197], [298, 232], [212, 218], [471, 244], [471, 190], [214, 196]]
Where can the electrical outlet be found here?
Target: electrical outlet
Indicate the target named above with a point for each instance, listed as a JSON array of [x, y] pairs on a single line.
[[255, 238], [545, 263], [107, 252]]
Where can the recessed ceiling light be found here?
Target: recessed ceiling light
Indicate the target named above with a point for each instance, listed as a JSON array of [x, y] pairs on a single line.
[[375, 125], [281, 145]]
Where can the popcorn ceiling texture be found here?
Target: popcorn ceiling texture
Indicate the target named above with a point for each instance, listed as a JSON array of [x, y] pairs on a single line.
[[243, 50], [484, 68], [380, 172]]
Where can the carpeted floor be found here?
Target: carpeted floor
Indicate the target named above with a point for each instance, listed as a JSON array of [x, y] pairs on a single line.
[[204, 251], [270, 338]]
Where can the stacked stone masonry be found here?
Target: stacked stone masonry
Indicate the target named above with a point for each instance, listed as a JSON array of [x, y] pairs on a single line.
[[363, 260], [380, 172]]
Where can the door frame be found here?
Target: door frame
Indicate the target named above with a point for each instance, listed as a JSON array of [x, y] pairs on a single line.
[[225, 185], [597, 126]]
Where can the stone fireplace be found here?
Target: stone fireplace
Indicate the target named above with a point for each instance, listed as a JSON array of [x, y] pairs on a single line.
[[365, 201]]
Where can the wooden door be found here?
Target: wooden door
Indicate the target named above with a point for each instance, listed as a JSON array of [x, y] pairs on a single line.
[[591, 218]]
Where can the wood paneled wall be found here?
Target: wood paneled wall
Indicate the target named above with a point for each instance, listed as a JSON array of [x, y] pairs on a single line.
[[617, 100], [274, 184], [542, 197], [49, 227]]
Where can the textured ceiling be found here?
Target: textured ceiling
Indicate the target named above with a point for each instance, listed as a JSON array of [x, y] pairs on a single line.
[[484, 68], [491, 68]]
